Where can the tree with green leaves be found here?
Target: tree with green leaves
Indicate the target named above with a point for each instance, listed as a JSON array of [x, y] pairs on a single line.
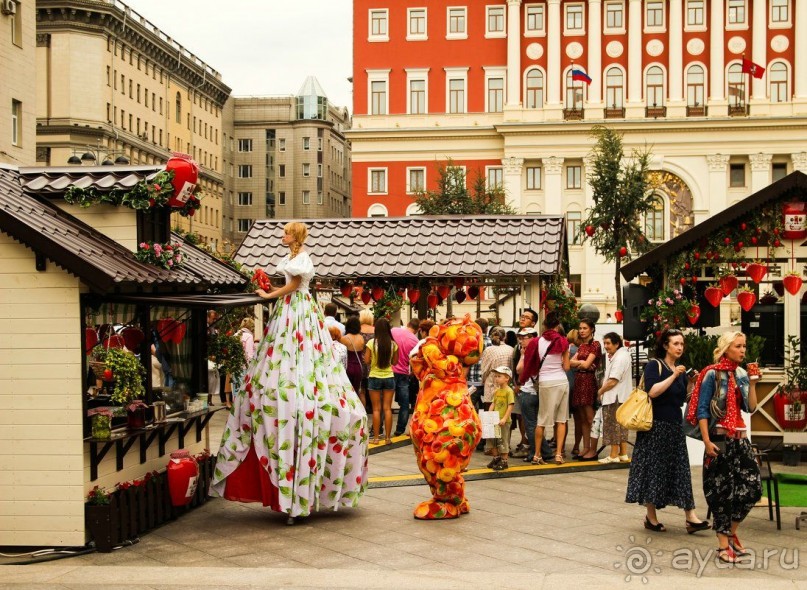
[[622, 194], [453, 197]]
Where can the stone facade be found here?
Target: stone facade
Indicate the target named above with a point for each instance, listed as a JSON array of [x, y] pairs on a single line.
[[18, 87]]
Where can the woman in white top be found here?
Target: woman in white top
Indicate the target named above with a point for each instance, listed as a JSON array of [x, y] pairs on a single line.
[[615, 389]]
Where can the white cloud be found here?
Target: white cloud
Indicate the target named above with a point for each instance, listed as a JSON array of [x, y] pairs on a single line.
[[264, 47]]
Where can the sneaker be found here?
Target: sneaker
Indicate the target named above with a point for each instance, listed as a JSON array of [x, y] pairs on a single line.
[[607, 460], [496, 460], [624, 459]]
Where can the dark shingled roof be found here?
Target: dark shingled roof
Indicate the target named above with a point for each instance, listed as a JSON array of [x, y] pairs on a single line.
[[794, 185], [422, 246], [96, 259]]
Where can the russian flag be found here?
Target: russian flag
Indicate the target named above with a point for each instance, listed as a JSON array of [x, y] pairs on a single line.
[[581, 76]]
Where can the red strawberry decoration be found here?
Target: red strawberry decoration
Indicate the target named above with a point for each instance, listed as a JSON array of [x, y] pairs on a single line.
[[618, 315], [90, 339], [432, 300], [746, 299], [590, 230], [756, 271], [260, 278], [460, 296], [728, 283], [713, 295], [346, 289], [377, 293], [623, 251], [108, 375], [365, 297], [413, 295], [186, 175], [309, 415], [459, 282], [682, 280], [693, 314], [473, 292], [793, 283], [444, 291]]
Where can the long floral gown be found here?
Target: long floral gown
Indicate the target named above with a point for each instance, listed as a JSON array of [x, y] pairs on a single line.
[[296, 437]]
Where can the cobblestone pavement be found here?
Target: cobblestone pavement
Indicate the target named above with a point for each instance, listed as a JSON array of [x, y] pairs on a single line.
[[535, 531]]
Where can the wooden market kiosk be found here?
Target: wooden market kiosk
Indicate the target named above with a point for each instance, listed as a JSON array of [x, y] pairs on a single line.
[[787, 315], [65, 268]]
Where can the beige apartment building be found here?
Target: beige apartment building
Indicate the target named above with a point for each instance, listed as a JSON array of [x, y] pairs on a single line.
[[17, 83], [287, 157], [111, 87]]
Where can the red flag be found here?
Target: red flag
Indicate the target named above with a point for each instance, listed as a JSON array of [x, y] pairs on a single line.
[[749, 67]]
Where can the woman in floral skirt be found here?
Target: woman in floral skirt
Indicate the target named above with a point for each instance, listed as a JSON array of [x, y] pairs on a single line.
[[584, 392], [296, 437]]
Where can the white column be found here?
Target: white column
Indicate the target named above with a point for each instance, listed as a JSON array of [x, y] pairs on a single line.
[[595, 52], [759, 47], [554, 26], [512, 182], [513, 53], [635, 52], [716, 51], [800, 67], [676, 53], [718, 182], [553, 188], [760, 171], [799, 161]]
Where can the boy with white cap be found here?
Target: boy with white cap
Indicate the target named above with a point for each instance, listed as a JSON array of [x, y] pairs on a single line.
[[503, 401]]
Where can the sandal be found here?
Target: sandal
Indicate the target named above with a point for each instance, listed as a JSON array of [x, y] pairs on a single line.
[[536, 460], [737, 547], [694, 527], [500, 466], [559, 459], [726, 554], [656, 528], [494, 462]]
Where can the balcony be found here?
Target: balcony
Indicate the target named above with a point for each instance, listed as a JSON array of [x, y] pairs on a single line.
[[655, 112], [697, 110], [572, 114], [739, 110], [615, 113]]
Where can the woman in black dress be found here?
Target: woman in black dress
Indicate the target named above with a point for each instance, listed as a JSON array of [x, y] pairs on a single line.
[[659, 471]]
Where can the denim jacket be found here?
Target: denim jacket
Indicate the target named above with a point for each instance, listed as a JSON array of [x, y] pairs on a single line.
[[708, 391]]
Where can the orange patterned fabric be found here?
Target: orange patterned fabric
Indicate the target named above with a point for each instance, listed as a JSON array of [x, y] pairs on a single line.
[[445, 427]]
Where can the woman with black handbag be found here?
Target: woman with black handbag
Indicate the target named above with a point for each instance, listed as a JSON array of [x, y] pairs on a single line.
[[659, 471], [731, 478]]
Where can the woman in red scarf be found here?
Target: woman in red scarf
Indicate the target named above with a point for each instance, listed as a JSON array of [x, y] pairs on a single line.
[[731, 480]]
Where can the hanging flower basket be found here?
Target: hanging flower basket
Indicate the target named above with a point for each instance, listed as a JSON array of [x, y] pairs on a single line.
[[167, 256]]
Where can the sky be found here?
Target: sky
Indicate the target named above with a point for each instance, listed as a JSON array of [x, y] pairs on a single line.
[[264, 47]]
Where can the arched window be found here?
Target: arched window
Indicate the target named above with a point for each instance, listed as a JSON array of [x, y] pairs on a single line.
[[777, 76], [575, 92], [654, 87], [179, 108], [413, 209], [654, 221], [695, 86], [736, 85], [377, 210], [535, 89], [614, 89]]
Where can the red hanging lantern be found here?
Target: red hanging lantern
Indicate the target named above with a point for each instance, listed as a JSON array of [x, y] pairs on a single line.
[[183, 475], [413, 295], [432, 300], [795, 221], [377, 293], [619, 316], [473, 292], [444, 291], [90, 339], [132, 337], [365, 297], [460, 296], [756, 271], [713, 295], [746, 299], [694, 314], [793, 283], [728, 283], [459, 282], [186, 175], [346, 289]]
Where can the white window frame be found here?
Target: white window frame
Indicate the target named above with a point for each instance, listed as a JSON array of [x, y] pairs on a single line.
[[243, 168], [319, 170], [248, 197], [788, 82], [664, 220], [573, 238], [704, 17], [574, 32], [526, 89], [737, 26], [464, 33], [409, 170], [377, 210], [500, 172], [413, 210], [539, 7], [606, 87], [495, 34], [320, 197], [662, 28], [783, 24], [492, 73], [379, 37], [306, 169], [579, 179], [745, 176], [664, 83], [424, 36], [705, 83], [248, 224], [306, 143], [242, 143], [613, 30], [456, 74], [385, 189], [539, 172], [16, 127], [281, 144], [306, 197], [281, 198], [415, 75], [377, 76]]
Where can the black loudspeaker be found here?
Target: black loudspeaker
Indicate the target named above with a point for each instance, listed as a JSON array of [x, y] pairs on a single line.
[[767, 321], [710, 316], [634, 298]]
